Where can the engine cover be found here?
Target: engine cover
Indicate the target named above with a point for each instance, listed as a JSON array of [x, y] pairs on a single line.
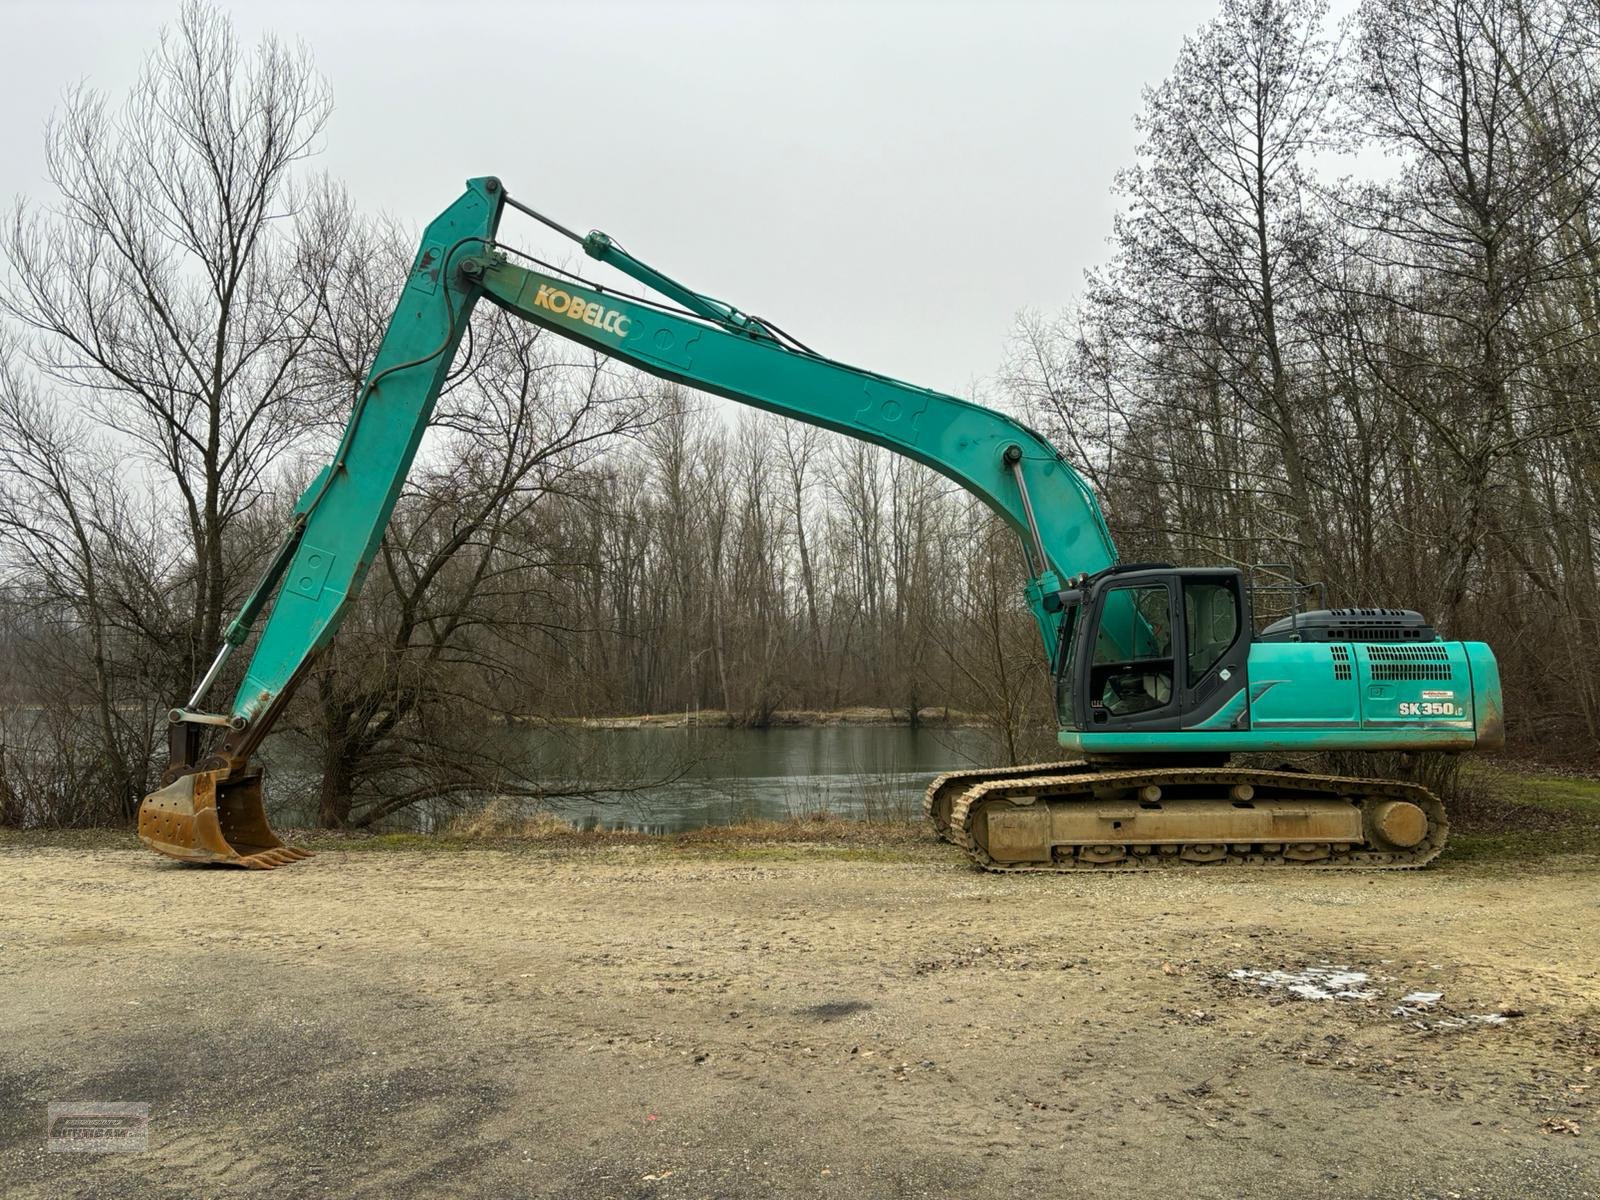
[[1351, 625]]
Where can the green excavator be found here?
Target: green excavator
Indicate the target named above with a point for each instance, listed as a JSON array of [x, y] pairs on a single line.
[[1160, 674]]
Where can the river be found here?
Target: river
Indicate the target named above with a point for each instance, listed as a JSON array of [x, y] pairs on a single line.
[[668, 780]]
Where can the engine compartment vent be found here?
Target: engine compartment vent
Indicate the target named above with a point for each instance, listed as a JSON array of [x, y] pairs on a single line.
[[1425, 663], [1341, 662]]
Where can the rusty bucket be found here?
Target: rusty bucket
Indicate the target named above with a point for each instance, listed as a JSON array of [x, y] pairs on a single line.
[[206, 817]]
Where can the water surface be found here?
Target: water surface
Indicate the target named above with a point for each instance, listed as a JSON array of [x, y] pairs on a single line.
[[667, 780], [738, 774]]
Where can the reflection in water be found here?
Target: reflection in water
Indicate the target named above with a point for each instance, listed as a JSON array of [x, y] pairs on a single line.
[[744, 774], [712, 776]]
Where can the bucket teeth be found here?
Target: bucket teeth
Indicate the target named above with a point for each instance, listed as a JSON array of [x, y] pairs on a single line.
[[266, 860]]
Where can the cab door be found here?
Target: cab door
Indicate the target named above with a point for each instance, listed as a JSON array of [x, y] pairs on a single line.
[[1215, 632], [1130, 679], [1069, 707]]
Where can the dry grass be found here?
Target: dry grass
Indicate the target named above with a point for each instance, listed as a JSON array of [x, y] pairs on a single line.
[[815, 829], [502, 828], [499, 820]]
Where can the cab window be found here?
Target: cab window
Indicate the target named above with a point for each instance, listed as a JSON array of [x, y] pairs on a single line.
[[1210, 623], [1132, 671], [1066, 655]]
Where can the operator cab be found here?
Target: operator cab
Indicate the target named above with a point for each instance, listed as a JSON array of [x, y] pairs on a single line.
[[1148, 647]]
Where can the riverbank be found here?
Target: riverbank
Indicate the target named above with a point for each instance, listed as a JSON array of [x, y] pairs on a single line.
[[751, 1016], [1504, 816], [783, 718]]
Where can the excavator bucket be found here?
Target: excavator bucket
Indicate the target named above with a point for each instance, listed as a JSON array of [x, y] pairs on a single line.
[[205, 817]]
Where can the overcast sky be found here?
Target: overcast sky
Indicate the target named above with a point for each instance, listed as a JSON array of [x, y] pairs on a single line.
[[890, 182]]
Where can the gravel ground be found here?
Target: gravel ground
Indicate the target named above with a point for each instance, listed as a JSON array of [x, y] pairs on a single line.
[[638, 1021]]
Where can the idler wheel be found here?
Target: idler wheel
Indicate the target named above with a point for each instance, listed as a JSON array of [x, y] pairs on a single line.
[[1399, 823]]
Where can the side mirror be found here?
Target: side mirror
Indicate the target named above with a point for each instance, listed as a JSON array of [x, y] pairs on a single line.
[[1057, 601]]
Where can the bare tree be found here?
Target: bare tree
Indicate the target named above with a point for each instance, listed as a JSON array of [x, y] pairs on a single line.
[[87, 576], [161, 288], [446, 646], [1215, 246], [1476, 228], [800, 446]]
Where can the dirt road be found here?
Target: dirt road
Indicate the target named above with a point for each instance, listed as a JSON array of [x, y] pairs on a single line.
[[647, 1022]]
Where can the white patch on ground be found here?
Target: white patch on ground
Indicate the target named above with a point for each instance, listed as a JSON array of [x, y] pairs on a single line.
[[1462, 1022], [1416, 1004], [1327, 981], [1322, 982]]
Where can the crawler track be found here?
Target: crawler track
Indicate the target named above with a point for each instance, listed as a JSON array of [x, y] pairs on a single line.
[[1072, 817], [944, 790]]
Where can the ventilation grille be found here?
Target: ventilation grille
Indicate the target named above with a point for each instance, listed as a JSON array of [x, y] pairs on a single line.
[[1423, 663], [1341, 662]]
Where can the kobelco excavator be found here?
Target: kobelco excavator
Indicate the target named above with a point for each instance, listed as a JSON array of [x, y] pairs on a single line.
[[1160, 675]]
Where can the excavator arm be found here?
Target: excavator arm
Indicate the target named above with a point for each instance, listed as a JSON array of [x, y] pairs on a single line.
[[209, 808]]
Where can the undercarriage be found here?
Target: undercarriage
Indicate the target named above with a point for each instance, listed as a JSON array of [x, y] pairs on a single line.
[[1072, 816]]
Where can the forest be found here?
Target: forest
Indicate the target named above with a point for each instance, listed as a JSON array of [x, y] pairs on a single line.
[[1347, 320]]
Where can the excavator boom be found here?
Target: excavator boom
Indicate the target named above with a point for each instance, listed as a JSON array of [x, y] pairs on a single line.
[[1014, 470]]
